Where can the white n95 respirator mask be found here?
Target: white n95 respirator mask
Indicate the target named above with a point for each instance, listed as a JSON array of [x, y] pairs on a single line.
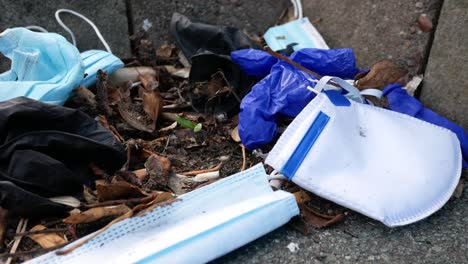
[[386, 165]]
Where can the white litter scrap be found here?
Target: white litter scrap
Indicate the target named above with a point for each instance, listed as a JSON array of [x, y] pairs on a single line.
[[147, 24], [203, 225], [413, 85], [293, 247]]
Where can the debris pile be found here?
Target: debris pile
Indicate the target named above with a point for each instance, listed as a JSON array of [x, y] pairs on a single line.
[[135, 135]]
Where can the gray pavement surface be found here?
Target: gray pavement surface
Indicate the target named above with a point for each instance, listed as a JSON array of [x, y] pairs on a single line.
[[445, 87], [376, 30], [441, 238], [253, 16], [109, 16]]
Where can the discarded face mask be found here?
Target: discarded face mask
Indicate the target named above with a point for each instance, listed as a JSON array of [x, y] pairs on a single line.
[[400, 101], [44, 66], [389, 166], [94, 60], [298, 34], [210, 221]]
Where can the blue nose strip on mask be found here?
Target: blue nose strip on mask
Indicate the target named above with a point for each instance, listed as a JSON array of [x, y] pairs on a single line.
[[45, 66], [95, 60]]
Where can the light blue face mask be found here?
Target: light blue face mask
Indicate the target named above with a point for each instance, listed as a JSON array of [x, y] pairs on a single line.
[[45, 66], [299, 34], [94, 60], [203, 225]]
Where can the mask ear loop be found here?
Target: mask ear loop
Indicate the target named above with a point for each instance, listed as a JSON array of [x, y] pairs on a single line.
[[37, 28], [275, 175], [98, 33]]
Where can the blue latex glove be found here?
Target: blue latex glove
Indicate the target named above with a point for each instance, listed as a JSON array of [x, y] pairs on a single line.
[[284, 90], [400, 101], [95, 60], [45, 66]]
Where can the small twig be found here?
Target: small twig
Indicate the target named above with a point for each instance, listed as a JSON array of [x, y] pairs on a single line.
[[102, 94], [139, 208], [195, 172], [72, 231], [244, 158], [3, 224], [51, 223], [293, 63], [350, 233], [32, 252], [45, 231], [176, 106], [167, 144], [229, 87], [116, 202], [22, 224]]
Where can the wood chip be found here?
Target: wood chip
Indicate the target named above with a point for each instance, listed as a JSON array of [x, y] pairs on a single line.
[[235, 134], [47, 240]]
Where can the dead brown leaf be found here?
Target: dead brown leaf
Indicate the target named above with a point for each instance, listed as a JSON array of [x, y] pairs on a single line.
[[89, 195], [152, 104], [48, 240], [302, 197], [319, 220], [141, 174], [128, 112], [152, 100], [163, 198], [149, 82], [96, 213], [129, 177], [158, 168], [165, 51], [117, 190], [383, 73]]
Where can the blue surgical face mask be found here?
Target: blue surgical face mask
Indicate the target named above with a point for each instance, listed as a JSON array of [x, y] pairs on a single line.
[[299, 34], [201, 226], [95, 60], [45, 66]]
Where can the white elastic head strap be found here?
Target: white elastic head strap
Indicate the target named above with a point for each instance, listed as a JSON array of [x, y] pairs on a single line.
[[98, 33], [372, 92], [297, 8], [353, 92]]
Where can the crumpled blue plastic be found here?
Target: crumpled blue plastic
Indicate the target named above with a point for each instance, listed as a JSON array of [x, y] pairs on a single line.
[[400, 101], [95, 60], [45, 66], [284, 90]]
